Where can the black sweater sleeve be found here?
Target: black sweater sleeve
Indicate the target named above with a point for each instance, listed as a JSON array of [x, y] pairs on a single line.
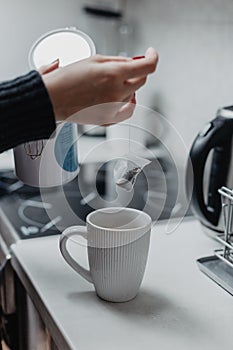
[[26, 112]]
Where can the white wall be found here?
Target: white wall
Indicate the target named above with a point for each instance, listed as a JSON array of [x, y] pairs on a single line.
[[23, 21], [195, 72], [193, 38]]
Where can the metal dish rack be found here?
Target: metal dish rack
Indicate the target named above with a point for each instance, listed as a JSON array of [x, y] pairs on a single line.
[[226, 238]]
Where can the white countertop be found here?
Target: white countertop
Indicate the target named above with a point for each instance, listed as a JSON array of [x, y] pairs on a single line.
[[178, 307]]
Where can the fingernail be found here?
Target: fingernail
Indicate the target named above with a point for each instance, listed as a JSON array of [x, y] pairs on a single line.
[[133, 100], [138, 57], [56, 60]]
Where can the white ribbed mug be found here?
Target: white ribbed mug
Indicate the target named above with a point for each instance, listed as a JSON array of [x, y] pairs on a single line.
[[118, 243]]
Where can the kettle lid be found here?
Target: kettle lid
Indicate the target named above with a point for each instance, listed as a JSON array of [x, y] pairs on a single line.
[[226, 112]]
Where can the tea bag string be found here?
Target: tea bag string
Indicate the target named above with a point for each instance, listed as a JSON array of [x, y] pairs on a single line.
[[129, 137]]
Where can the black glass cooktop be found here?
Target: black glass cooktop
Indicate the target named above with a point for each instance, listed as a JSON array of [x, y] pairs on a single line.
[[35, 213]]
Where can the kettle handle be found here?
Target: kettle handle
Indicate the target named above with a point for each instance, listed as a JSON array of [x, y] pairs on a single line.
[[216, 136]]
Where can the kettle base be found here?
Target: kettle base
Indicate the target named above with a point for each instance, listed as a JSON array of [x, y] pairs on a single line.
[[210, 231]]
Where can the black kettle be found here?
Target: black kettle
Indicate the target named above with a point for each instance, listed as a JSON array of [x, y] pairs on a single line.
[[210, 167]]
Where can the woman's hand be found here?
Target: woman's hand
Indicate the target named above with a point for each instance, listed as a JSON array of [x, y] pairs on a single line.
[[95, 81]]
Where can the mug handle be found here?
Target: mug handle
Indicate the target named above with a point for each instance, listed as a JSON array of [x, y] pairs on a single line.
[[65, 236]]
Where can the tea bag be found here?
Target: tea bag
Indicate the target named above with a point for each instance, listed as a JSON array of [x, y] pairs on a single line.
[[127, 169]]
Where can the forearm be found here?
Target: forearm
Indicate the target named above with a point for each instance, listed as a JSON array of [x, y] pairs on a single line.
[[26, 112]]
